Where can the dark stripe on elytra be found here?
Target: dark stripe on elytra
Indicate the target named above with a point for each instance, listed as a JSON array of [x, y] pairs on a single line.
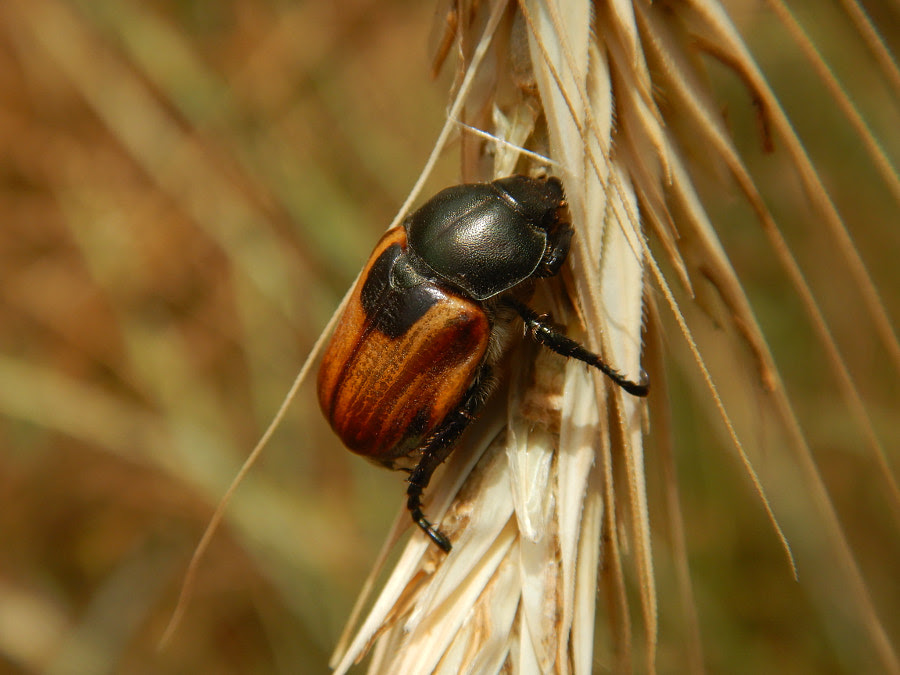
[[387, 310], [393, 311], [433, 360]]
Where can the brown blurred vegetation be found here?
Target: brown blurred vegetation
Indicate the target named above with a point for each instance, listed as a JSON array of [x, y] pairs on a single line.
[[186, 191]]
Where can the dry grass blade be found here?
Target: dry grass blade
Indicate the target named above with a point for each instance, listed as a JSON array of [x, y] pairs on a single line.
[[882, 162], [873, 41]]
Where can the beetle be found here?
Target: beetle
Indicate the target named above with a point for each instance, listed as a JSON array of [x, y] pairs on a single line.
[[410, 363]]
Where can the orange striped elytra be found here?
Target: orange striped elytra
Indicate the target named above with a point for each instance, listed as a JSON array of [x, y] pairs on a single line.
[[385, 391]]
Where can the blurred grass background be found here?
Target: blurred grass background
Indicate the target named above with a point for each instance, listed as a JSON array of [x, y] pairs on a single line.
[[186, 191]]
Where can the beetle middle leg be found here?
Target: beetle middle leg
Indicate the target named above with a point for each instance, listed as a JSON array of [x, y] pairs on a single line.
[[544, 333], [438, 446]]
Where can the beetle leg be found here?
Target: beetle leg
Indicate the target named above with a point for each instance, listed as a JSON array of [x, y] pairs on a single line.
[[555, 255], [436, 449], [544, 333]]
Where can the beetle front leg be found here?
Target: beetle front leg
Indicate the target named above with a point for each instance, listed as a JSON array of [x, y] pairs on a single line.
[[438, 447], [544, 333], [556, 252]]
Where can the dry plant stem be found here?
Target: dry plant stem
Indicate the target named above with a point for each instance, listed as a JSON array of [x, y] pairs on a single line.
[[612, 572], [647, 574], [453, 113], [779, 245], [400, 524], [563, 75], [721, 32], [880, 159], [867, 608], [664, 449], [190, 574], [716, 136], [720, 406], [883, 645], [873, 40]]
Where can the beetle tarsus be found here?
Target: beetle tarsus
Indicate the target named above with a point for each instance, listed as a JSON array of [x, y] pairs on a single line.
[[414, 504], [438, 537], [540, 330], [433, 533], [438, 446]]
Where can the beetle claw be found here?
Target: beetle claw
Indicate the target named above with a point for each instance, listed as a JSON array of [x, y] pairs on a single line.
[[438, 537]]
